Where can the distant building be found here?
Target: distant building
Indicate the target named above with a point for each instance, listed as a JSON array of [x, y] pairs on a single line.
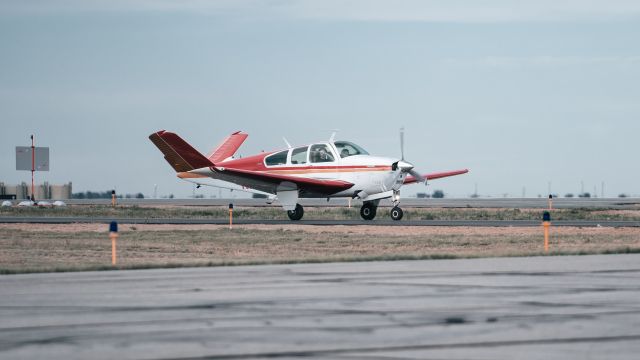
[[42, 192]]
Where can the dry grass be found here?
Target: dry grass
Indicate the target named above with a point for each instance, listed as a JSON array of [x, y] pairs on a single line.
[[319, 213], [28, 248]]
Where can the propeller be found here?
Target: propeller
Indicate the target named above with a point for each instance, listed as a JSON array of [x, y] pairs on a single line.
[[406, 166], [402, 143]]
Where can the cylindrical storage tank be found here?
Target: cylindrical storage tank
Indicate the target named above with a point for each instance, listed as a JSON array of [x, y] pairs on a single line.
[[22, 191], [61, 192], [41, 191]]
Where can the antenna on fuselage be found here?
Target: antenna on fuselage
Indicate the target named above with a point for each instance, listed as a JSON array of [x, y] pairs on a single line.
[[286, 142], [333, 135]]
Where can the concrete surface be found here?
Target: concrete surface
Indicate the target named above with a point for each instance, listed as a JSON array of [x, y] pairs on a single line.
[[381, 220], [507, 308]]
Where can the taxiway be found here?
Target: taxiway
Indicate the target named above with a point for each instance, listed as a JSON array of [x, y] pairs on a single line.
[[501, 308]]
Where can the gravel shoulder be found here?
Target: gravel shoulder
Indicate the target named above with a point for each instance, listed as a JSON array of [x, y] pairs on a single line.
[[76, 247]]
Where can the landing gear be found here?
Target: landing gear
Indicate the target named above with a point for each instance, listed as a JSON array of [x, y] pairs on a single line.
[[368, 210], [396, 213], [297, 213]]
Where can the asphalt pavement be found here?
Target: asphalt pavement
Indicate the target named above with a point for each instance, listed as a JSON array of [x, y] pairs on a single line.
[[535, 203], [560, 307]]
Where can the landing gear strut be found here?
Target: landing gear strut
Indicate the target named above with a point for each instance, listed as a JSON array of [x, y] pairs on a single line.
[[396, 212], [297, 213], [368, 210]]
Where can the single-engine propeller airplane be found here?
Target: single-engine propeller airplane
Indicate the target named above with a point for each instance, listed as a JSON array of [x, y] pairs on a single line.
[[326, 169]]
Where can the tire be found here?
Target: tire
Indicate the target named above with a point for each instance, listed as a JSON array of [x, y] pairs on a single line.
[[297, 213], [396, 213], [368, 211]]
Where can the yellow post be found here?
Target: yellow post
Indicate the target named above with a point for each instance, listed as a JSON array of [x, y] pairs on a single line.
[[546, 223], [230, 216], [113, 235]]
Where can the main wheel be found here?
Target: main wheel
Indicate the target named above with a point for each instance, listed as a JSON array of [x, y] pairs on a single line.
[[368, 211], [396, 213], [297, 213]]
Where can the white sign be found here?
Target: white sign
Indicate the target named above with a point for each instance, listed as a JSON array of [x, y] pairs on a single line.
[[24, 160]]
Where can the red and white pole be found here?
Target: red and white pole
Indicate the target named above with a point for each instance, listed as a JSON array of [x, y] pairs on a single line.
[[33, 168]]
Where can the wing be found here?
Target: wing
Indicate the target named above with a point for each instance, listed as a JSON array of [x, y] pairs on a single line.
[[270, 183], [410, 179], [217, 183]]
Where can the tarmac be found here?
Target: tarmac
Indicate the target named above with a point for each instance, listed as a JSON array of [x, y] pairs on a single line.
[[555, 307], [512, 203]]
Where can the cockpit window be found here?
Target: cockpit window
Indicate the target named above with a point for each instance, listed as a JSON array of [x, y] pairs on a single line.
[[320, 153], [277, 158], [346, 149], [299, 155]]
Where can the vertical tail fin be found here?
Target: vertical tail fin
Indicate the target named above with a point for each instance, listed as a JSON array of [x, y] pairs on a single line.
[[228, 147], [178, 153]]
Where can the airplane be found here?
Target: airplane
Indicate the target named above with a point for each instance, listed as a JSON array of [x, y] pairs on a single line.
[[325, 169]]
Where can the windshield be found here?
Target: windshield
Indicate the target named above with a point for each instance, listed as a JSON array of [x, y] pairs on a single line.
[[320, 153], [346, 149]]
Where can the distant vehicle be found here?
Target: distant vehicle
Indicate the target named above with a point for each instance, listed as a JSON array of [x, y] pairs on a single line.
[[326, 169]]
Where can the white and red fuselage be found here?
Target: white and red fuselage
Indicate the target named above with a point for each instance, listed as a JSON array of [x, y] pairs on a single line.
[[328, 169]]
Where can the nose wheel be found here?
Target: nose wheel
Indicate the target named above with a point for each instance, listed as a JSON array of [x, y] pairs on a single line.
[[396, 213], [368, 211], [297, 213]]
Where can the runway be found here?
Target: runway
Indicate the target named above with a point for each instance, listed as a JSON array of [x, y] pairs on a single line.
[[498, 308], [532, 203], [379, 222]]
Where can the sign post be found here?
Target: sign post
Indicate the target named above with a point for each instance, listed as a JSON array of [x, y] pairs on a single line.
[[33, 168], [113, 235], [546, 223]]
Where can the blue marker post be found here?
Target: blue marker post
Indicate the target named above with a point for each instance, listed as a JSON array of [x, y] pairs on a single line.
[[113, 235]]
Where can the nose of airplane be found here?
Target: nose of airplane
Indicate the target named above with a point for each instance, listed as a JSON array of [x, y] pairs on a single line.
[[405, 166]]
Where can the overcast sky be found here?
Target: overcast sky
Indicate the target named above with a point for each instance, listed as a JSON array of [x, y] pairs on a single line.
[[521, 93]]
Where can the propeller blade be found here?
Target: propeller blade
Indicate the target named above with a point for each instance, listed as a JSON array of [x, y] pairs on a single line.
[[417, 175], [402, 143]]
